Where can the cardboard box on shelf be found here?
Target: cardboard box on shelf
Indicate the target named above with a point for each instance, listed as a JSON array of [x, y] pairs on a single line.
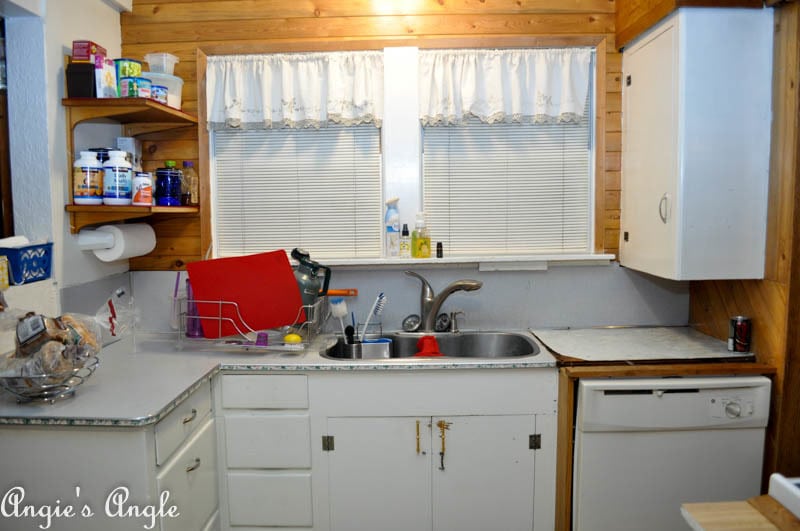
[[86, 51]]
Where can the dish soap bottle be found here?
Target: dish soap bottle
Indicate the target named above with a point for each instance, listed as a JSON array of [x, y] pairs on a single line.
[[392, 225], [420, 238]]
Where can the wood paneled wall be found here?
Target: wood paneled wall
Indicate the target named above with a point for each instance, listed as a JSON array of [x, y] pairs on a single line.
[[773, 302], [183, 27]]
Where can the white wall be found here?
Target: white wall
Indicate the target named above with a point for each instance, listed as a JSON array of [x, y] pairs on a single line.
[[574, 296], [36, 46]]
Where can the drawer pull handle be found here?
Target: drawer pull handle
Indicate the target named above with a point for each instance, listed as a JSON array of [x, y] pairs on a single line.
[[191, 417], [195, 466]]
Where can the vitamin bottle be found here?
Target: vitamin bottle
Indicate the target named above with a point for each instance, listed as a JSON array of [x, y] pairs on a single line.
[[87, 180], [117, 180], [142, 188]]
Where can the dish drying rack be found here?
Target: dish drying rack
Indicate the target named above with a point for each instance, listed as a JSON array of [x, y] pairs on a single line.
[[49, 388], [245, 337]]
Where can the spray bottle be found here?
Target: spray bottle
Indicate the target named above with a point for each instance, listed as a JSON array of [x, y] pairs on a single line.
[[392, 225]]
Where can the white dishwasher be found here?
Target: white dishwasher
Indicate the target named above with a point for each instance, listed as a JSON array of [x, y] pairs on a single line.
[[644, 446]]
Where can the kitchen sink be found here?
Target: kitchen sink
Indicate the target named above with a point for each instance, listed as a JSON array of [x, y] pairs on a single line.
[[471, 344]]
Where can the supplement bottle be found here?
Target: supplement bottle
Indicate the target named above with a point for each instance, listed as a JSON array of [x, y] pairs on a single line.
[[87, 180], [190, 188], [420, 238], [142, 189], [117, 180], [392, 227]]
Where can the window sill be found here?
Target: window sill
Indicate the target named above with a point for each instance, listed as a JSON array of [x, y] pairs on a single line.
[[539, 262]]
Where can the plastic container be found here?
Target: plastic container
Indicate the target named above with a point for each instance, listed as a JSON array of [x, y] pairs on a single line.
[[168, 185], [117, 179], [392, 228], [174, 86], [134, 87], [29, 263], [190, 190], [142, 189], [163, 63], [87, 180]]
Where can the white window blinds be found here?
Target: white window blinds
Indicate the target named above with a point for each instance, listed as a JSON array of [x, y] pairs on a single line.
[[319, 189], [509, 188]]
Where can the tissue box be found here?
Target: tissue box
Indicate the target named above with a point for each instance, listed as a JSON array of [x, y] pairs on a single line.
[[29, 263]]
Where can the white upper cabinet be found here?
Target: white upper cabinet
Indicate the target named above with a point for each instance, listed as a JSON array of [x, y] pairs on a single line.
[[695, 145]]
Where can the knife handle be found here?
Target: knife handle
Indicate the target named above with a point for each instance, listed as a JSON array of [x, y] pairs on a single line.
[[346, 292]]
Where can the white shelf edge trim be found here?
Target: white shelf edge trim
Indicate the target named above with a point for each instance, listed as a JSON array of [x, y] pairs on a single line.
[[483, 263]]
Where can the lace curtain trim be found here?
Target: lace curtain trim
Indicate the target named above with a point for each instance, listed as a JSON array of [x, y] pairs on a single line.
[[518, 85], [294, 90]]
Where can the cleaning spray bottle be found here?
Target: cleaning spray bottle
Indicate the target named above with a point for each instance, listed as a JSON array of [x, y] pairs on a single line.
[[392, 225]]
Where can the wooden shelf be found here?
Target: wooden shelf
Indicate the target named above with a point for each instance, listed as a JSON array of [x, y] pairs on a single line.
[[138, 116], [84, 215], [126, 111]]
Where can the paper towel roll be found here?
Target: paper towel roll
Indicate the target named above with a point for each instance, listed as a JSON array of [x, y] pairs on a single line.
[[130, 240]]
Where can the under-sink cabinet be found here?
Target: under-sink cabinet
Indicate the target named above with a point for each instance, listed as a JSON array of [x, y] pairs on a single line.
[[117, 475], [434, 450]]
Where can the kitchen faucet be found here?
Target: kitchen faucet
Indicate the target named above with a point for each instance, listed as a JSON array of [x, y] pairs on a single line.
[[430, 304]]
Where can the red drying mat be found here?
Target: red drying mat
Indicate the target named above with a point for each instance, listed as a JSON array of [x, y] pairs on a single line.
[[263, 286]]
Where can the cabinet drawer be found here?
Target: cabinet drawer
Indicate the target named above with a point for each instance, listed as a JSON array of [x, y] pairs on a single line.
[[172, 430], [268, 441], [248, 391], [190, 478], [270, 499]]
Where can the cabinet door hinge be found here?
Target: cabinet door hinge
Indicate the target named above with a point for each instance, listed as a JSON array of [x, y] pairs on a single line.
[[327, 443], [628, 80], [535, 441]]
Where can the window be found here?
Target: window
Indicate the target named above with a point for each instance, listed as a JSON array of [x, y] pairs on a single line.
[[509, 189], [496, 146], [319, 189]]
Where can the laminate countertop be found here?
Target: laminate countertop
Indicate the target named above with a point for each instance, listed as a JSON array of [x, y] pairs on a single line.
[[141, 379], [636, 344]]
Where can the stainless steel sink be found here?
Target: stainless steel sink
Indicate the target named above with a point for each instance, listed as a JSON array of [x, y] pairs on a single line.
[[476, 344]]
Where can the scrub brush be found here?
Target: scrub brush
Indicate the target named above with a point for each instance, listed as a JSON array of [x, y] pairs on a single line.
[[339, 309], [377, 309]]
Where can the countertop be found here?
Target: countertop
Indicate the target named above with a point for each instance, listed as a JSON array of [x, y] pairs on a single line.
[[141, 379], [639, 344]]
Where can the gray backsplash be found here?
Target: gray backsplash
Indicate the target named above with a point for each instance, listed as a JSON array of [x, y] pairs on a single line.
[[563, 296]]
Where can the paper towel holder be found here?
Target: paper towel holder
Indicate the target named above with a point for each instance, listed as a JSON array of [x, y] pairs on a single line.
[[118, 242]]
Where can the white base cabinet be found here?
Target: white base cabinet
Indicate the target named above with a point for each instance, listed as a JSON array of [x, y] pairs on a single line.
[[465, 450], [695, 145], [120, 474]]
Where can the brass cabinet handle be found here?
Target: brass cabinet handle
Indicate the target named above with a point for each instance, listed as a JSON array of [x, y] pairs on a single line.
[[443, 427], [193, 466], [187, 420]]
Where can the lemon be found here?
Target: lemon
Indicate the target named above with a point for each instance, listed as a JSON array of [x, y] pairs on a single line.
[[291, 339]]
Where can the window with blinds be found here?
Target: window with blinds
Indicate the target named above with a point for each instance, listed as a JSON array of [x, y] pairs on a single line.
[[509, 188], [318, 189]]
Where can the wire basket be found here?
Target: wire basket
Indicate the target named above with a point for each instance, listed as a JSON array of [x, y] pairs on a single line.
[[51, 387], [245, 337]]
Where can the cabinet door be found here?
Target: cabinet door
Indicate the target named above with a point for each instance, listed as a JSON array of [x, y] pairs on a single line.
[[650, 198], [486, 481], [378, 480]]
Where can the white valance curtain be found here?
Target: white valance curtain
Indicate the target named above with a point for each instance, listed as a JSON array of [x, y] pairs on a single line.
[[514, 85], [294, 90]]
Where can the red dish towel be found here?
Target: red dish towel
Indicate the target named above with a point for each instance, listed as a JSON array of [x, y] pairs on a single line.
[[427, 346]]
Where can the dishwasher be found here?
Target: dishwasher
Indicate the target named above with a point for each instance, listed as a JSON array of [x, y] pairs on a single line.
[[644, 446]]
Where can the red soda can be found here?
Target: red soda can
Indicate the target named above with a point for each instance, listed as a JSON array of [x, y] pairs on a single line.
[[739, 331]]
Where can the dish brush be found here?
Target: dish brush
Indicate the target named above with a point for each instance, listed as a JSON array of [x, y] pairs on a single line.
[[339, 309], [377, 309]]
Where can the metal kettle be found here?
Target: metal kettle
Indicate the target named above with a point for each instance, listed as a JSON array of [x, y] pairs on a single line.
[[312, 285]]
